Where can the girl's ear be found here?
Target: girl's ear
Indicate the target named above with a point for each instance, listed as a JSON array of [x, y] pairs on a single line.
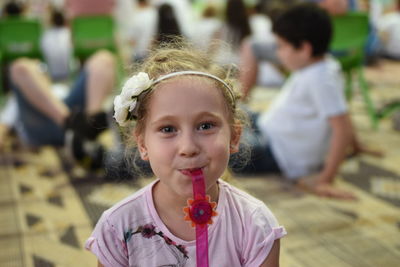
[[235, 139], [141, 146]]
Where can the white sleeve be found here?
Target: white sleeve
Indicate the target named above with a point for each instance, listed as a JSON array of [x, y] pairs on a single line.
[[327, 93]]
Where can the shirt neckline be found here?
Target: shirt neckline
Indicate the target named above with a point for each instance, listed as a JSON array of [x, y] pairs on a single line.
[[164, 228]]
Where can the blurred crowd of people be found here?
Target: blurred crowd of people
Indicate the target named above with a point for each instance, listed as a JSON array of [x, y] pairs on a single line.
[[141, 22]]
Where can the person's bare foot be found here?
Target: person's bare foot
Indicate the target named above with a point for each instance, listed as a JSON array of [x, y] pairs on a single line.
[[310, 185], [328, 190], [360, 149]]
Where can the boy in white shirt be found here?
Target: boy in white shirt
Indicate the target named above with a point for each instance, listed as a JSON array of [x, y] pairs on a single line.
[[307, 131]]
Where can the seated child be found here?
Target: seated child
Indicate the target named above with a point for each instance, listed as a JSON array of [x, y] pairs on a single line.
[[43, 117], [307, 130]]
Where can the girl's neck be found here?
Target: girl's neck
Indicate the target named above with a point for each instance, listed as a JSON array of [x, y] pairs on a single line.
[[173, 202], [170, 206]]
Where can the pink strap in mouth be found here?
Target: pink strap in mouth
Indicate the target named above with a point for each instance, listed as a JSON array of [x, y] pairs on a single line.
[[200, 211], [199, 186], [199, 189]]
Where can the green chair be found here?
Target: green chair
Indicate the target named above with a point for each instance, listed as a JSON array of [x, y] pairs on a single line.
[[2, 95], [350, 34], [91, 33], [20, 37]]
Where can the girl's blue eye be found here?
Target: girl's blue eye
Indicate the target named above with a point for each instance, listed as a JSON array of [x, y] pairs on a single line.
[[167, 129], [206, 126]]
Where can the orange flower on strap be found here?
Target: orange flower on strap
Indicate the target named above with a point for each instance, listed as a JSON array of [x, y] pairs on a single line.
[[200, 211]]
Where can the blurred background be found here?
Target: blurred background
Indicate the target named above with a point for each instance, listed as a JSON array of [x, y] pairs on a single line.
[[53, 192]]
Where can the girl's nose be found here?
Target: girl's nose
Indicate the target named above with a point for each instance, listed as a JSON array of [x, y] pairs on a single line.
[[188, 146]]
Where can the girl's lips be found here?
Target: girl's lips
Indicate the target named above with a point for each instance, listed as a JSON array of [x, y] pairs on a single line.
[[189, 171]]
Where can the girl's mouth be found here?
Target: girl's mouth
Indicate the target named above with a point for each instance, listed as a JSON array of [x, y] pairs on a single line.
[[189, 171]]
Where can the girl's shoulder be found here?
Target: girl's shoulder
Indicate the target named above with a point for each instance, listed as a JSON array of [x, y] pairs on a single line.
[[135, 203], [243, 208], [239, 199]]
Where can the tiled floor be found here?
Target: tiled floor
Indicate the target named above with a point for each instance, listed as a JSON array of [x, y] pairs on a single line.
[[46, 214]]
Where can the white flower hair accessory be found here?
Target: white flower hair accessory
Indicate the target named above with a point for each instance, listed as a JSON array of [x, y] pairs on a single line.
[[125, 104]]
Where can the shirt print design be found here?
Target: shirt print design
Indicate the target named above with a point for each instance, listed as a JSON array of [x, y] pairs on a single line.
[[148, 231]]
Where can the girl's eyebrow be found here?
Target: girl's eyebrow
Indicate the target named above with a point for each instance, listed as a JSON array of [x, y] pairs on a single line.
[[162, 119], [171, 118], [209, 114]]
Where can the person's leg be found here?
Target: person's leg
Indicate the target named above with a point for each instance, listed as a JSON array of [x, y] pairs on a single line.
[[261, 161], [86, 99], [35, 87], [261, 158], [41, 115], [87, 96], [101, 71], [33, 90]]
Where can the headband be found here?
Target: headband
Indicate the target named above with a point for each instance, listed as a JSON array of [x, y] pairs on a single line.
[[125, 104]]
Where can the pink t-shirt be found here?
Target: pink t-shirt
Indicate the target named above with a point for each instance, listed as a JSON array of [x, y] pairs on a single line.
[[132, 234]]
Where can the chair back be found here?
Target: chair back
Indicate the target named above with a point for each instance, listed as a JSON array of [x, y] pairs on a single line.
[[20, 37], [91, 33], [350, 34]]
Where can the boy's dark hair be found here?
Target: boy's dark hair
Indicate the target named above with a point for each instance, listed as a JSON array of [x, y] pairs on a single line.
[[305, 22]]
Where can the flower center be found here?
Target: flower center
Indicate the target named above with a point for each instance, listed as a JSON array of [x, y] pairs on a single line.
[[200, 211]]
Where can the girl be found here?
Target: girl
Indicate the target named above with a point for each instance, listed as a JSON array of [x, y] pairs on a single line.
[[185, 120]]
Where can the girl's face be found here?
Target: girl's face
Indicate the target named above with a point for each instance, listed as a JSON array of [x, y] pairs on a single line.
[[187, 127]]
